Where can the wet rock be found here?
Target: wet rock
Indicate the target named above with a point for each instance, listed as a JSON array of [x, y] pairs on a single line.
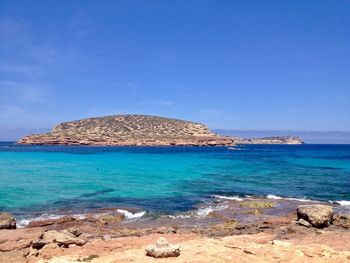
[[226, 228], [41, 223], [253, 212], [48, 222], [303, 222], [106, 219], [162, 249], [167, 230], [254, 204], [317, 215], [62, 238], [214, 214], [342, 221], [7, 221]]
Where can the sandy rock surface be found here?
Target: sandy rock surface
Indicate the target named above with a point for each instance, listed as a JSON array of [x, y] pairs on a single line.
[[245, 248]]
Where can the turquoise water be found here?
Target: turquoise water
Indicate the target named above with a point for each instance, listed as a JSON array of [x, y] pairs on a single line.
[[57, 179]]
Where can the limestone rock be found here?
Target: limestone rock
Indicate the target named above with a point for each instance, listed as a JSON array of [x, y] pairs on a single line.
[[33, 252], [7, 221], [303, 222], [49, 250], [62, 238], [254, 204], [18, 239], [342, 221], [74, 230], [317, 215], [109, 219], [162, 249]]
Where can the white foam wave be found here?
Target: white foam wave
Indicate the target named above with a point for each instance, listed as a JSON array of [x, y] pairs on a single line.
[[199, 213], [204, 211], [179, 216], [343, 202], [236, 198], [130, 215], [276, 197], [302, 200], [24, 222]]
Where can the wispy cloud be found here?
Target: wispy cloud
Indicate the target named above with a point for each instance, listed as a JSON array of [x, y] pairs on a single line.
[[20, 92], [19, 103], [7, 112]]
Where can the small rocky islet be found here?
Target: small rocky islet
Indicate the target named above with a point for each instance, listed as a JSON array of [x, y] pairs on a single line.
[[141, 130]]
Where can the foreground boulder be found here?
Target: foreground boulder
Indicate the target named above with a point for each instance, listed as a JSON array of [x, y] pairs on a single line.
[[7, 221], [162, 249], [317, 215]]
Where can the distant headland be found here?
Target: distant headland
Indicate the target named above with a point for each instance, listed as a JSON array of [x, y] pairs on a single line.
[[142, 130]]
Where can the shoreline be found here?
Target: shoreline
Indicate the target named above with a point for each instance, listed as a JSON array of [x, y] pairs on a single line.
[[252, 219], [215, 203]]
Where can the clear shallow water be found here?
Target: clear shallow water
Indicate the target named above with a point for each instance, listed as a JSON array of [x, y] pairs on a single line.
[[64, 179]]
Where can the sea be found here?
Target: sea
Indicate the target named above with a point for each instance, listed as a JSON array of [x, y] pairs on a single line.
[[50, 181]]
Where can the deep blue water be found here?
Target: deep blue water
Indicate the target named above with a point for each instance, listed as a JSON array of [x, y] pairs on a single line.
[[56, 179]]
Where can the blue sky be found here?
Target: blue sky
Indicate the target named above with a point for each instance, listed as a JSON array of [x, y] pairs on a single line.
[[254, 65]]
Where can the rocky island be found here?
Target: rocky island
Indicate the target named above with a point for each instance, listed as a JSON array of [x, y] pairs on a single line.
[[141, 130]]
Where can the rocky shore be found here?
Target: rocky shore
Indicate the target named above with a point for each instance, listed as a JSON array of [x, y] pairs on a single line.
[[253, 230], [141, 130]]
